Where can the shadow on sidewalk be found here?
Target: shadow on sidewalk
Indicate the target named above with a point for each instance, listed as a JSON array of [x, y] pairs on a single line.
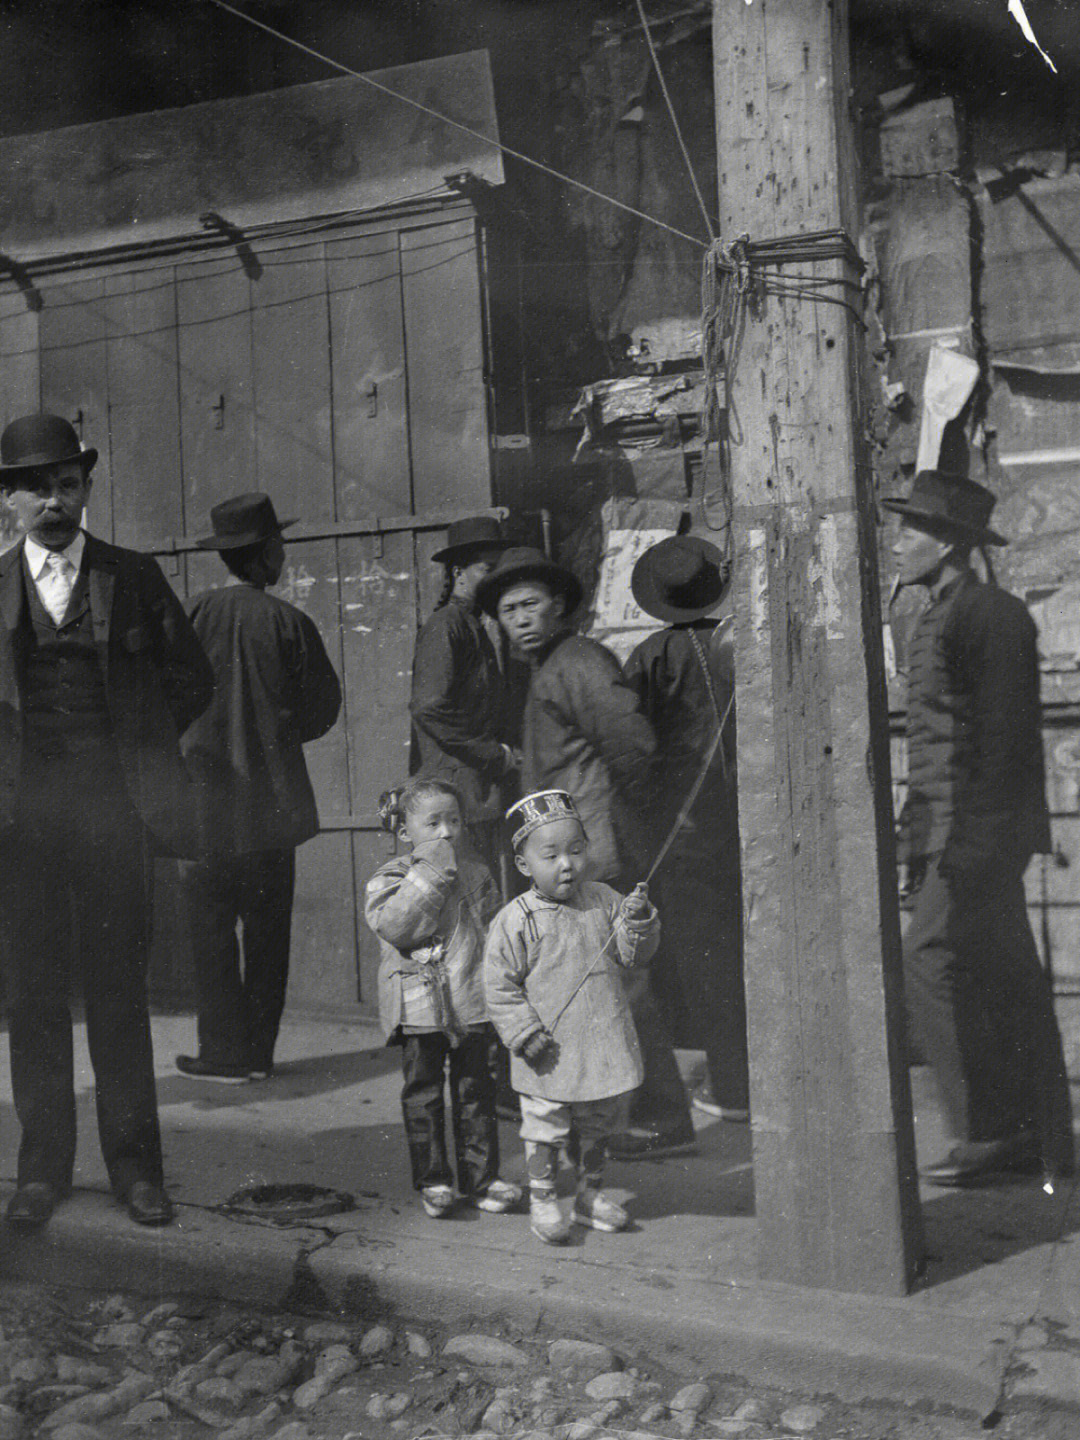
[[308, 1076], [970, 1230]]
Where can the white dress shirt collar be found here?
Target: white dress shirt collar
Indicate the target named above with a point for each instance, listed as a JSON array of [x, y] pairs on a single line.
[[37, 556]]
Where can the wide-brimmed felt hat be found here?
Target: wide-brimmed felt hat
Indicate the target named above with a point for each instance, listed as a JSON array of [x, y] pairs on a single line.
[[243, 520], [682, 578], [465, 537], [951, 503], [33, 441], [521, 563]]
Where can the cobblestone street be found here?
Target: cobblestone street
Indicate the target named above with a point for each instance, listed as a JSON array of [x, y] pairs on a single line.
[[76, 1366]]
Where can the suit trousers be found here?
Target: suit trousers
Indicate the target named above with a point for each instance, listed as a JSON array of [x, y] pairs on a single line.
[[698, 973], [240, 1009], [428, 1062], [982, 1015], [661, 1100], [77, 900]]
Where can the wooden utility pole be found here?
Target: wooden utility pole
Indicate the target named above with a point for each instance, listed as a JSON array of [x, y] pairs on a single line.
[[833, 1148]]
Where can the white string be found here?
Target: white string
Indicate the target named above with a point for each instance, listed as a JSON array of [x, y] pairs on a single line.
[[680, 821], [456, 124]]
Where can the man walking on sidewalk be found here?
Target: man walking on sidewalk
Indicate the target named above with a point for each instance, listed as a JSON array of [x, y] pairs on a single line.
[[276, 690], [979, 1005], [99, 673]]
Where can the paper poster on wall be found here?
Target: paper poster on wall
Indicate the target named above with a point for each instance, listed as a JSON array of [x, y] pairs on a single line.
[[629, 529]]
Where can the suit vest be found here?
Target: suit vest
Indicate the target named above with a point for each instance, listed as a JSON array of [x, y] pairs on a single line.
[[62, 684]]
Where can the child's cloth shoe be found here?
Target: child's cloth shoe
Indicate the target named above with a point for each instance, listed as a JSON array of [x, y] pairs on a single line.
[[499, 1197], [437, 1200], [546, 1219], [593, 1208]]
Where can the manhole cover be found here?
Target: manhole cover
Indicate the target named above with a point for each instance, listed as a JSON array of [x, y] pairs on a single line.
[[289, 1204]]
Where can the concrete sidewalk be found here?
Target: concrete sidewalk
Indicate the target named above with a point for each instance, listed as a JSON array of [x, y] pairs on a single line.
[[996, 1317]]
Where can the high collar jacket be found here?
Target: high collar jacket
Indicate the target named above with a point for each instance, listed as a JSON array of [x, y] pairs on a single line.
[[976, 776], [584, 732], [157, 680]]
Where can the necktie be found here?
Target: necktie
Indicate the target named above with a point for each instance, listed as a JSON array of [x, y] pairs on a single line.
[[61, 582]]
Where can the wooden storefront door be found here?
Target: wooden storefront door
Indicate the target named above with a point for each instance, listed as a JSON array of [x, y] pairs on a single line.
[[342, 372]]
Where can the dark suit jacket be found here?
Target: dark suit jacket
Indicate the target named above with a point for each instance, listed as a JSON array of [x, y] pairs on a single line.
[[666, 674], [157, 680], [458, 707], [276, 689], [584, 732], [976, 772]]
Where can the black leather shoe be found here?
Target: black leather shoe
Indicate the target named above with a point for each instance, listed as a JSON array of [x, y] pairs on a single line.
[[147, 1204], [989, 1162], [199, 1069], [31, 1205]]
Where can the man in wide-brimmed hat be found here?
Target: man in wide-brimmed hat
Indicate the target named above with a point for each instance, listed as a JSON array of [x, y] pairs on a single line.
[[276, 691], [979, 1006], [685, 677], [100, 671], [584, 732]]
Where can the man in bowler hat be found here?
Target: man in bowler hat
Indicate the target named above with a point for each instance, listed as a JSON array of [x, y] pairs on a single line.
[[979, 1005], [100, 672], [276, 691]]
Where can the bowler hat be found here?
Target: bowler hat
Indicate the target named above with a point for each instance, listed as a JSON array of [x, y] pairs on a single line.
[[679, 579], [243, 520], [33, 441], [950, 503], [479, 532], [522, 563]]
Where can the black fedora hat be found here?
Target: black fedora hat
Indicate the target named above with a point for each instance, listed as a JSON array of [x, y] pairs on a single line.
[[33, 441], [951, 503], [521, 563], [679, 579], [463, 537], [243, 520]]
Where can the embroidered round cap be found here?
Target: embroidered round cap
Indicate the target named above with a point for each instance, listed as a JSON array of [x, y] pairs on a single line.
[[542, 807]]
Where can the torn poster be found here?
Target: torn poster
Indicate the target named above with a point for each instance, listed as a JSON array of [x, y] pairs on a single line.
[[950, 379]]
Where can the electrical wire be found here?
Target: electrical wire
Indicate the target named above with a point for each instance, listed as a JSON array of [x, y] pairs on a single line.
[[674, 119], [456, 124]]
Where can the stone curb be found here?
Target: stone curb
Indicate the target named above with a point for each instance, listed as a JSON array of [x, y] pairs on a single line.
[[820, 1342]]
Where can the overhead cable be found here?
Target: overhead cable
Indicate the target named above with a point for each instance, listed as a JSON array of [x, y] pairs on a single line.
[[456, 124]]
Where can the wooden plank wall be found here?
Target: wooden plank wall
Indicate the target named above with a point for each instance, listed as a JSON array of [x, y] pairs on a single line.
[[344, 376]]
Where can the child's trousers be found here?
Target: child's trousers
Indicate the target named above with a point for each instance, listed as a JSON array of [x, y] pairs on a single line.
[[425, 1060], [581, 1126]]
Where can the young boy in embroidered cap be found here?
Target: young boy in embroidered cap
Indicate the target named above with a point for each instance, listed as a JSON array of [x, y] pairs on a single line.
[[555, 994], [430, 911]]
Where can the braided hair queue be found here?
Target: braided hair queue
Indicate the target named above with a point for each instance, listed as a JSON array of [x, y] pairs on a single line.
[[448, 586]]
